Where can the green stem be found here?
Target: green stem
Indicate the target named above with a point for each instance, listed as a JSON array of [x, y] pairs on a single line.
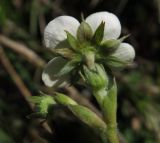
[[108, 103], [99, 95], [106, 96], [111, 133]]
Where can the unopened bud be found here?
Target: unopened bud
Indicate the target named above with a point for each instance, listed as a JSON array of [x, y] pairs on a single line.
[[96, 77], [42, 104]]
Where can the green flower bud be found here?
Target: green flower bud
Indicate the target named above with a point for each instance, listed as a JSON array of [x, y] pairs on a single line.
[[96, 77], [64, 99], [42, 104], [88, 117]]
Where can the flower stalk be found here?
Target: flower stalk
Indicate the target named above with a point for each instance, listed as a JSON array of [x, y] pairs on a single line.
[[109, 109]]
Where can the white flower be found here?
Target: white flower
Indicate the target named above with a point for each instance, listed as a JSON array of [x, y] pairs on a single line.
[[55, 34], [55, 31]]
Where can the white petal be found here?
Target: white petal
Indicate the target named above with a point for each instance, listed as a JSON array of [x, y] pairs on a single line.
[[112, 24], [54, 32], [125, 52], [52, 69]]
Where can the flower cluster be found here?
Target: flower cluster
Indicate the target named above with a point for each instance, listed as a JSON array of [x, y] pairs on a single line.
[[79, 45]]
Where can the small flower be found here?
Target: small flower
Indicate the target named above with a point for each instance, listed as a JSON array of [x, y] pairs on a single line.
[[94, 40]]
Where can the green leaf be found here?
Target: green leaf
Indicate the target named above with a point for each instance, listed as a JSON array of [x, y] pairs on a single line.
[[64, 99], [88, 117], [99, 33], [72, 41], [84, 32]]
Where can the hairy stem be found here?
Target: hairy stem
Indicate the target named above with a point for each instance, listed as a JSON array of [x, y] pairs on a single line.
[[111, 133], [108, 103]]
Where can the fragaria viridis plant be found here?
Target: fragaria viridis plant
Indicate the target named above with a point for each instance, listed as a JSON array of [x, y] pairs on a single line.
[[86, 52]]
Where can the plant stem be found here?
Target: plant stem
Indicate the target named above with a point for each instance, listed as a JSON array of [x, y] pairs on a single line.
[[111, 134], [105, 91], [108, 103]]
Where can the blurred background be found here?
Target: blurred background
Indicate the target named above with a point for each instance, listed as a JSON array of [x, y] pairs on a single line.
[[23, 56]]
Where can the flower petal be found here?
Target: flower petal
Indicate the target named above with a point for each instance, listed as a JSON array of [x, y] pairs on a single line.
[[125, 53], [51, 70], [54, 32], [112, 25]]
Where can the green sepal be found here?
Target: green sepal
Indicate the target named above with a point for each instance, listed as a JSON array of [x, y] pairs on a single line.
[[88, 117], [124, 37], [64, 52], [68, 67], [109, 46], [89, 58], [111, 43], [84, 32], [64, 99], [72, 41], [99, 33], [115, 63]]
